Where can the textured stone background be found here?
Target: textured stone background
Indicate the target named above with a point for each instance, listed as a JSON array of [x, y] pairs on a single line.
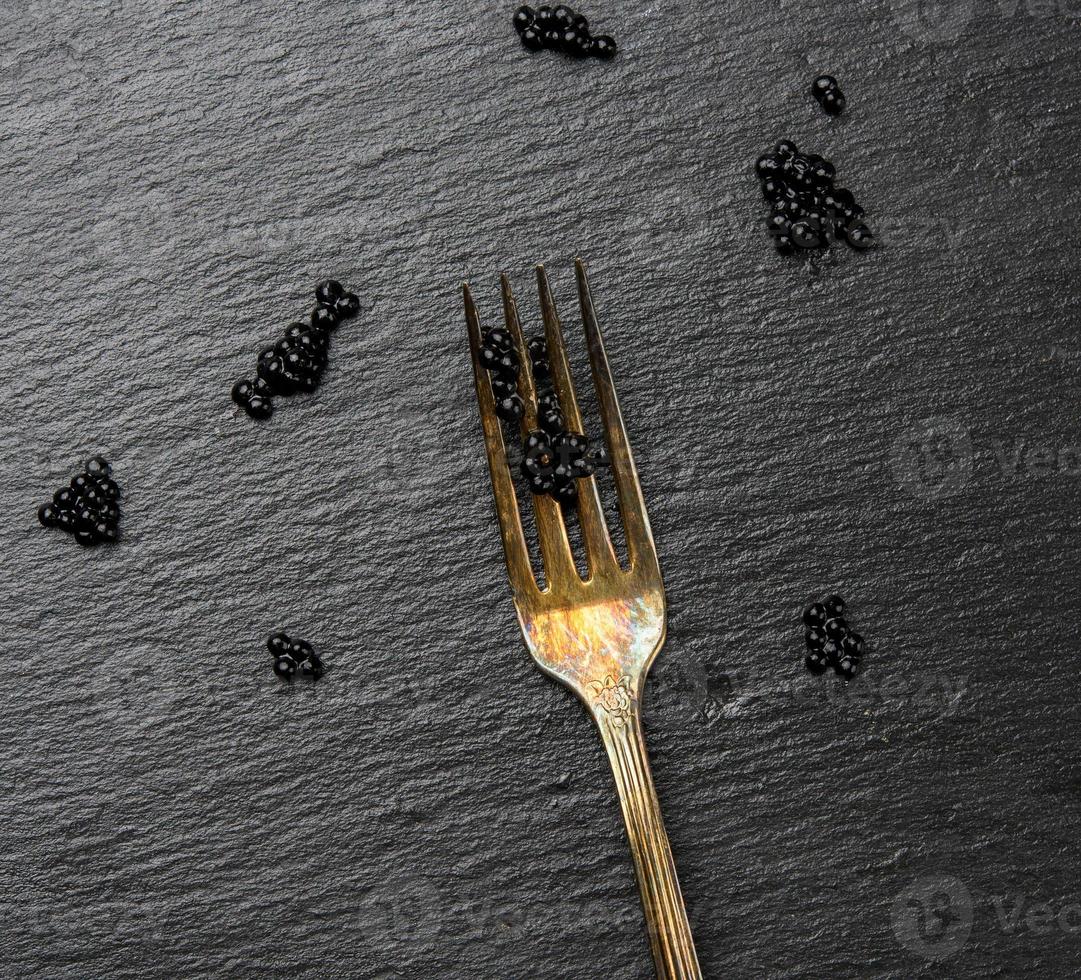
[[897, 425]]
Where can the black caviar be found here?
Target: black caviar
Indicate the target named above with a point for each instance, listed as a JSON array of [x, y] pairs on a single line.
[[291, 656], [88, 508], [831, 642], [561, 29], [297, 361], [829, 95], [553, 458], [807, 210]]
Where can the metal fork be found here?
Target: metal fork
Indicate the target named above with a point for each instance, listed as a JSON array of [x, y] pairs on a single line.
[[599, 634]]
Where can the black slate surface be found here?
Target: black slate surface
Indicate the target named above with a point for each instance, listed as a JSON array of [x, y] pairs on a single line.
[[177, 177]]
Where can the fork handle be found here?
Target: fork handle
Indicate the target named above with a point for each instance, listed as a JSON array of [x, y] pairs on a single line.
[[666, 917]]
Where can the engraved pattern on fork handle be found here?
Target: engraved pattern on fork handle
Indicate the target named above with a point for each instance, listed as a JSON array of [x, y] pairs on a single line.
[[666, 916]]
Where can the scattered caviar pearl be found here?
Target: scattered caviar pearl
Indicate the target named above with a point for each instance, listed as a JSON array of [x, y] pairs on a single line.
[[815, 637], [823, 83], [499, 340], [544, 17], [108, 488], [853, 646], [97, 466], [847, 668], [859, 236], [259, 407], [785, 148], [835, 605], [532, 39], [834, 103], [768, 165], [511, 408], [328, 292], [599, 458], [836, 628], [804, 235], [816, 661], [48, 515], [503, 387], [242, 392], [64, 498], [580, 24], [551, 421], [814, 614], [831, 650], [301, 650], [285, 667], [347, 306], [323, 318], [106, 532], [524, 17], [85, 537], [312, 666], [562, 15], [278, 644], [604, 47]]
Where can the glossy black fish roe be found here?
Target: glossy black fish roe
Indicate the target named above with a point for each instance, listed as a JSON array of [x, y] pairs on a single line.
[[324, 318], [814, 637], [835, 606], [836, 628], [562, 15], [242, 392], [833, 103], [834, 641], [347, 306], [816, 661], [328, 292], [604, 47], [87, 507], [532, 39], [847, 668], [285, 667], [561, 28], [499, 340], [815, 615], [511, 408], [278, 643], [524, 17], [828, 93], [823, 83], [295, 363], [312, 667], [853, 646], [799, 187]]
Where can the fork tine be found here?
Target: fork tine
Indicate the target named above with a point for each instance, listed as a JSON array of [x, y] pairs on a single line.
[[599, 551], [551, 531], [522, 581], [526, 386], [632, 507]]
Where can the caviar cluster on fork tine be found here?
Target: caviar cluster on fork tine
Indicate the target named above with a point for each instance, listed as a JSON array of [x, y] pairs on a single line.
[[831, 642], [553, 458], [88, 508], [297, 361], [561, 29], [807, 210]]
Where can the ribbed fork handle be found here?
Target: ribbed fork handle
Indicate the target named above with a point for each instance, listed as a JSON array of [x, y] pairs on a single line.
[[666, 918]]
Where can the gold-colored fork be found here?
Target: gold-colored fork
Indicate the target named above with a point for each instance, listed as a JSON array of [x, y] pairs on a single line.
[[599, 634]]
